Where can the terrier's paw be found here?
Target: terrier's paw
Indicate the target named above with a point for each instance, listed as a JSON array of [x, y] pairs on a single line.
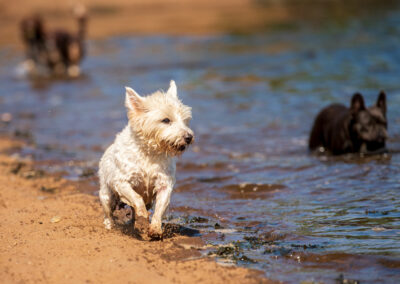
[[155, 232], [142, 226]]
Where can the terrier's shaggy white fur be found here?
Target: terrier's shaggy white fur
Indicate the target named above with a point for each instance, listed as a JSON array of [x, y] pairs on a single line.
[[139, 166]]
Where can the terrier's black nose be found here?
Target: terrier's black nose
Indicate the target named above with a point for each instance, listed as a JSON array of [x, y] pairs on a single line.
[[188, 138]]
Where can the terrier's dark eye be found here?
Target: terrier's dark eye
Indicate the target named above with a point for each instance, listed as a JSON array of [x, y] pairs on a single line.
[[166, 120]]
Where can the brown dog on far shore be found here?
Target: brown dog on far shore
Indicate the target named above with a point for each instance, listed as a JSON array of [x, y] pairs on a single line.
[[59, 51]]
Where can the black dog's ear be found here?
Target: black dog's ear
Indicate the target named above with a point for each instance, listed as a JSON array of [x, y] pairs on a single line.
[[381, 102], [357, 103]]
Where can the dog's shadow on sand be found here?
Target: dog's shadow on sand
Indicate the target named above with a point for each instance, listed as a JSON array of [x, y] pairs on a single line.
[[124, 220]]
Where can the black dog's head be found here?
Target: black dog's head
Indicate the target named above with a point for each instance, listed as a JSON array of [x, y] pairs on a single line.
[[368, 127]]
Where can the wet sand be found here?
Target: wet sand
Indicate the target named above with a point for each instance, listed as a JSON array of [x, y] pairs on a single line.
[[53, 233]]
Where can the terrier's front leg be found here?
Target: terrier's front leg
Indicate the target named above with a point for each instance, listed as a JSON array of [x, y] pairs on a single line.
[[162, 201], [129, 196]]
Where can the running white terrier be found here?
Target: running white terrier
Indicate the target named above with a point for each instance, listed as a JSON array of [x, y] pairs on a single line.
[[139, 166]]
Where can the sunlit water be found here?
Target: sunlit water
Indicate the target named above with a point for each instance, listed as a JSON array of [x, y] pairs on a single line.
[[254, 99]]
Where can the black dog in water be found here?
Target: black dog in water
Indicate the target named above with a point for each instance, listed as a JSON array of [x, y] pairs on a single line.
[[59, 51], [340, 130]]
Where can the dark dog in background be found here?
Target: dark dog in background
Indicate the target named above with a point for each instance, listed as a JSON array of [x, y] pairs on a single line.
[[340, 130], [58, 51]]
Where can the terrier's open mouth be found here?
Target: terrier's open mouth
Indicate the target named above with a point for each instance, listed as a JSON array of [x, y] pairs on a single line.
[[181, 148]]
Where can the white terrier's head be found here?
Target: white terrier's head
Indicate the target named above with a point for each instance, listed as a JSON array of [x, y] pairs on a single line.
[[160, 120]]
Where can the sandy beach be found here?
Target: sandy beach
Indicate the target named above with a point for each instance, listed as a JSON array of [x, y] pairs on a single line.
[[52, 233]]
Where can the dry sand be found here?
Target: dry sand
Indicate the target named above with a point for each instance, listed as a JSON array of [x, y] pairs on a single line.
[[52, 233]]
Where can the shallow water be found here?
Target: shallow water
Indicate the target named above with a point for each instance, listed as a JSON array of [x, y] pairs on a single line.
[[293, 215]]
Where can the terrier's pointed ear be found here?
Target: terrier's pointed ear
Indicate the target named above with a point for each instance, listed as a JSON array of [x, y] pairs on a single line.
[[133, 101], [357, 103], [172, 89], [381, 102]]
